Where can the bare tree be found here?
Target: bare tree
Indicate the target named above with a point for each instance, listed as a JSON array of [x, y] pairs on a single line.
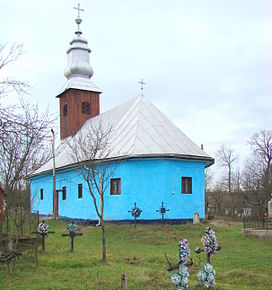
[[9, 56], [90, 153], [23, 135], [226, 159], [257, 175], [21, 147], [208, 179]]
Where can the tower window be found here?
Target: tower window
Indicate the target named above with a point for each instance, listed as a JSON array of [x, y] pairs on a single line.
[[115, 186], [80, 190], [65, 110], [64, 193], [186, 185], [86, 108], [41, 192]]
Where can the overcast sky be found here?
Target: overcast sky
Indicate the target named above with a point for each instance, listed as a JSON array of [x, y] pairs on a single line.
[[207, 64]]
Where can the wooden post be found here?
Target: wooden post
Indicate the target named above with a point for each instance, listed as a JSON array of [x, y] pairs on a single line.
[[72, 236], [124, 281], [43, 242], [72, 243], [36, 256], [10, 261], [135, 222]]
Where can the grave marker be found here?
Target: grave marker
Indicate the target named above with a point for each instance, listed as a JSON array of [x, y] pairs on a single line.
[[43, 230], [162, 211], [72, 232], [181, 278], [135, 212], [207, 275], [10, 255], [196, 219]]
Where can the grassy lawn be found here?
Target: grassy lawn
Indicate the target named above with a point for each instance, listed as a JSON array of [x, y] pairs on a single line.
[[243, 262]]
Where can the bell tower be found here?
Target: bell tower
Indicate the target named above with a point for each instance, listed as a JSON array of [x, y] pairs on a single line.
[[79, 99]]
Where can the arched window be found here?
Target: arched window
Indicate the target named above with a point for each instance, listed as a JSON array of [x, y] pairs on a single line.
[[86, 108], [65, 110]]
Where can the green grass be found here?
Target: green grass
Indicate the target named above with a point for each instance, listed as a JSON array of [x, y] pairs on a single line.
[[243, 262]]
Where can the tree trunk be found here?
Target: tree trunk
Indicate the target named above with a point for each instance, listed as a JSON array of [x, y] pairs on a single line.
[[103, 242], [1, 231]]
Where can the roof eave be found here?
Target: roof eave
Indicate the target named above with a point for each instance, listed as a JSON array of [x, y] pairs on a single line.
[[208, 160]]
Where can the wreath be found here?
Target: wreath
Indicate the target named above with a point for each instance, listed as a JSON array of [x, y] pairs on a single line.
[[136, 212], [43, 228], [72, 228]]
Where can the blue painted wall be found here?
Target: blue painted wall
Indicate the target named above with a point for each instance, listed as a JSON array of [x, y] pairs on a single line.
[[147, 182]]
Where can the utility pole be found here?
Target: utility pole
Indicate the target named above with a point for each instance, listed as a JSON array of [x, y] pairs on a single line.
[[54, 177], [100, 201]]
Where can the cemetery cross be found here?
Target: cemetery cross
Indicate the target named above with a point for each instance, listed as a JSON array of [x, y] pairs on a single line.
[[135, 212], [43, 230], [72, 232], [162, 211], [211, 246]]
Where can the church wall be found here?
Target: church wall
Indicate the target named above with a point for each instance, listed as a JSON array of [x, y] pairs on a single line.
[[72, 207], [147, 182]]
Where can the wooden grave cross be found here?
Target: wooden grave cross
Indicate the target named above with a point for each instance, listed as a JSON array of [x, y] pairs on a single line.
[[162, 211], [43, 230], [72, 232], [10, 255]]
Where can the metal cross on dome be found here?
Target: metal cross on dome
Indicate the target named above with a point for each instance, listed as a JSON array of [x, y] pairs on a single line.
[[78, 20], [78, 9], [142, 83]]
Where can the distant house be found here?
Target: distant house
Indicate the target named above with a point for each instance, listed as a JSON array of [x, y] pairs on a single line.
[[2, 201], [156, 161]]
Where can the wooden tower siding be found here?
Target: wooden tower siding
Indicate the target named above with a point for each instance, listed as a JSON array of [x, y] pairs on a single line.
[[73, 121]]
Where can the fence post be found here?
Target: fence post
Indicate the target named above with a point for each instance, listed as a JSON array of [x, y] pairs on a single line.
[[124, 281]]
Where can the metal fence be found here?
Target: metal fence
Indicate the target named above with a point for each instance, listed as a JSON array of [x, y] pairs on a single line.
[[257, 223]]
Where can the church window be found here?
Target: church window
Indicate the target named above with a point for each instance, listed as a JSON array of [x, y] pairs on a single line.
[[186, 185], [115, 186], [79, 190], [41, 193], [64, 193], [86, 108], [65, 110]]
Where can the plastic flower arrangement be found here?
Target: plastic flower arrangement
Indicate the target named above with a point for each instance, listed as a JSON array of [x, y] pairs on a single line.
[[72, 228], [207, 275], [209, 242], [43, 228], [181, 278]]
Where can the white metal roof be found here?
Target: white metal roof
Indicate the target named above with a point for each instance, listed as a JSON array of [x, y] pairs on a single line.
[[80, 83], [139, 129]]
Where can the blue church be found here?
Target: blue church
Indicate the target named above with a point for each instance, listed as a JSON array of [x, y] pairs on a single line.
[[153, 160]]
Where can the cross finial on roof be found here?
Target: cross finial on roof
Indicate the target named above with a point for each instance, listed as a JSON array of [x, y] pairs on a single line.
[[78, 20], [142, 83], [78, 9]]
